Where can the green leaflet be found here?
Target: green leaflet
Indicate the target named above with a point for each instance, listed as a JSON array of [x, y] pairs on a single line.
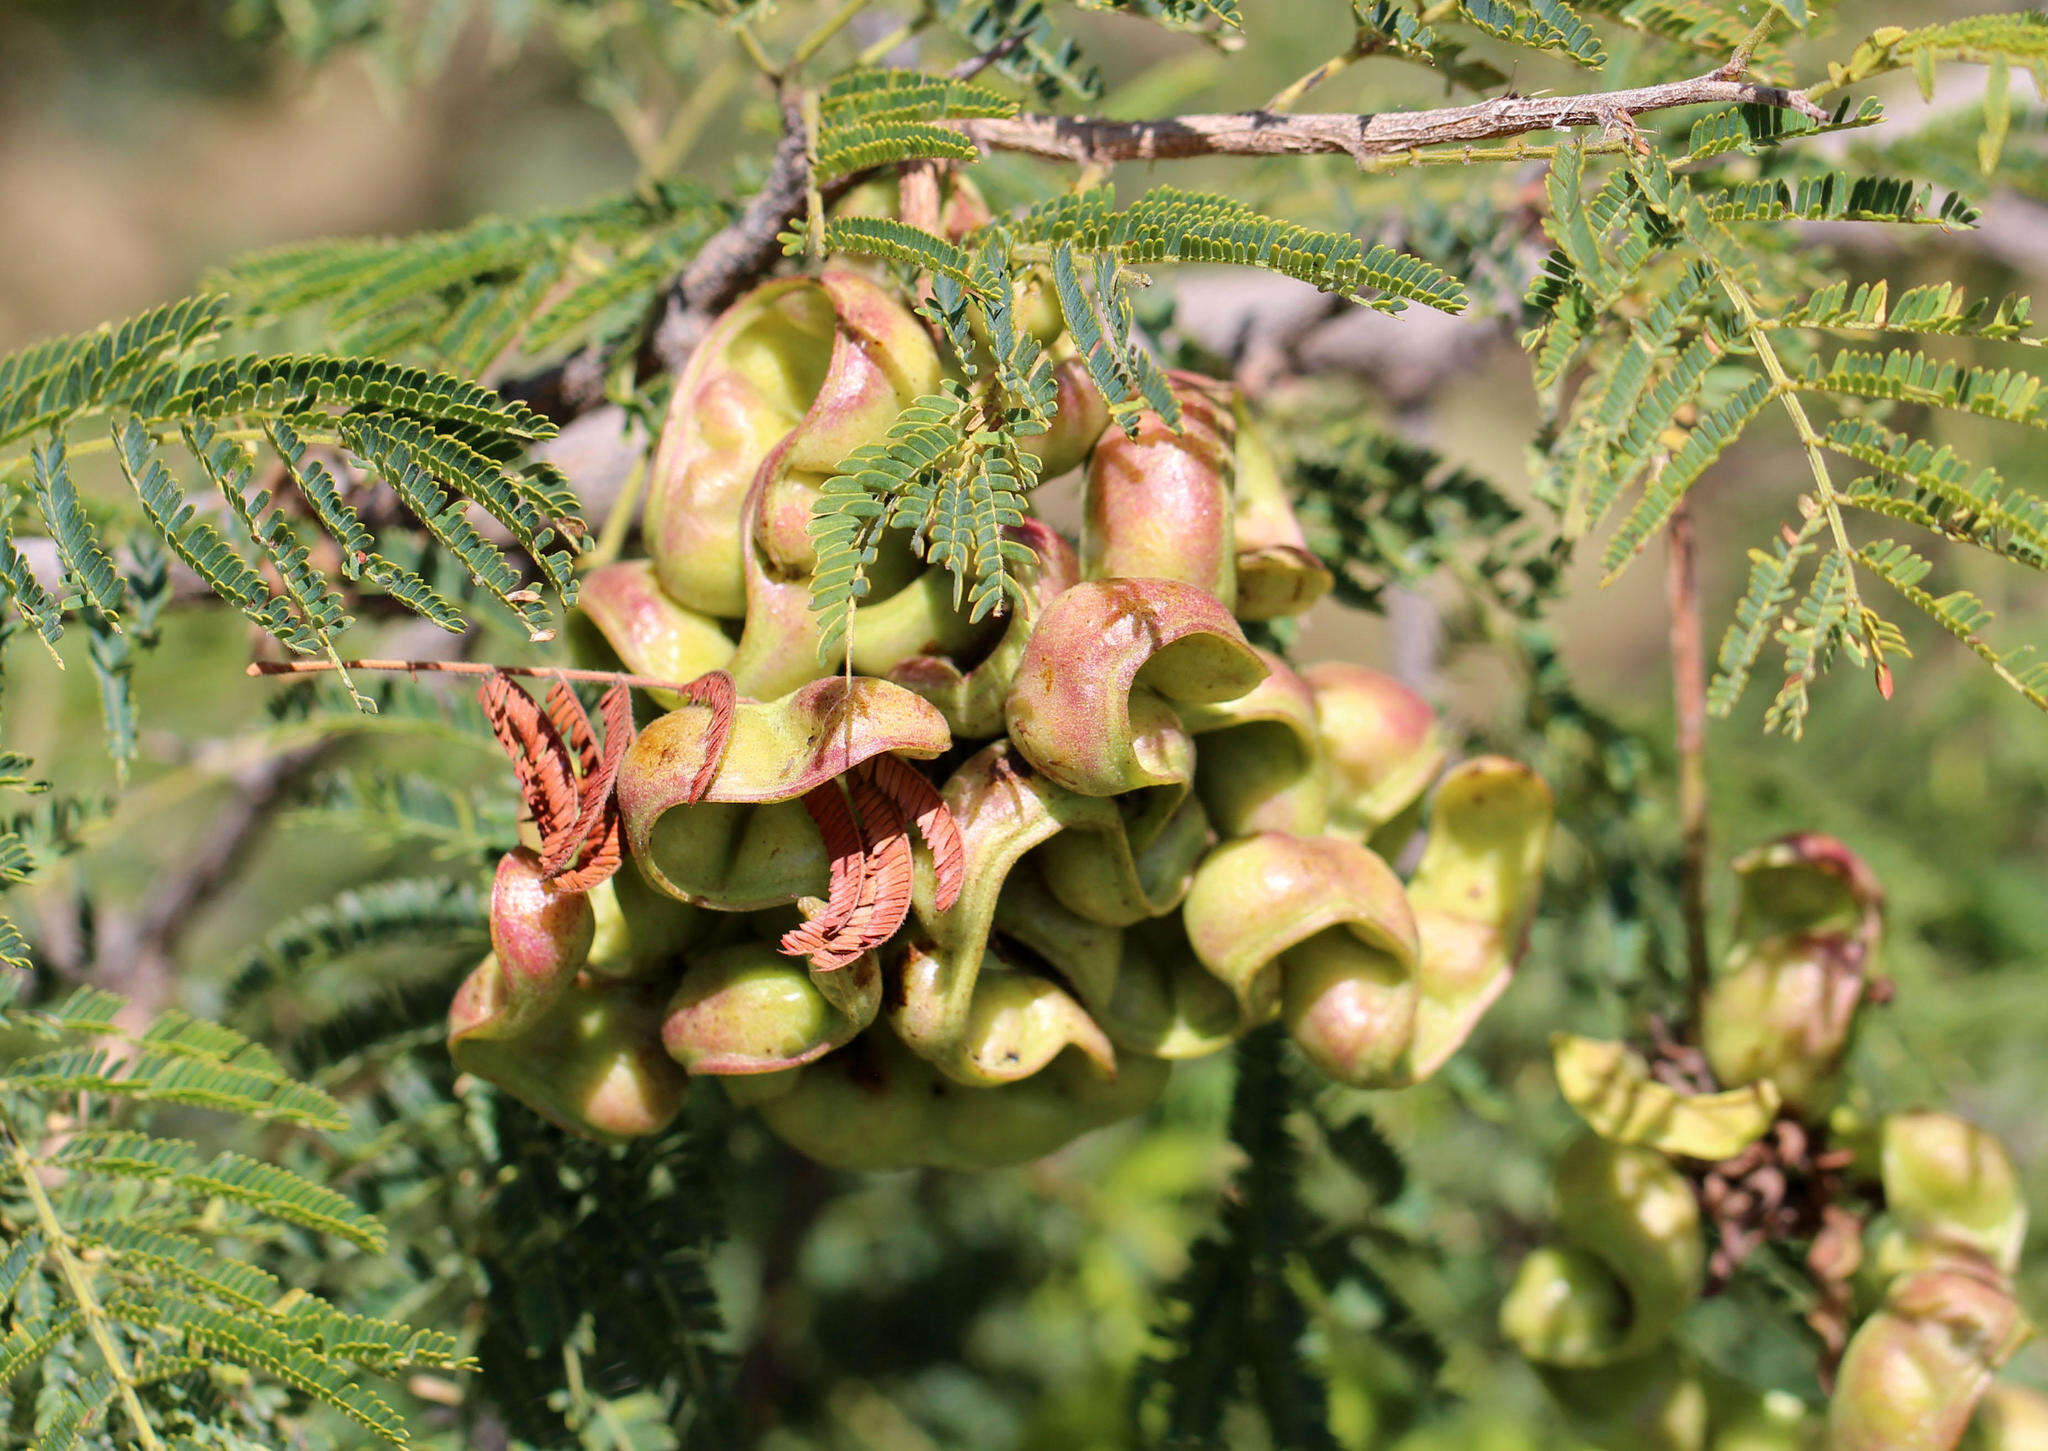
[[1168, 224], [1100, 321], [79, 546], [1541, 25]]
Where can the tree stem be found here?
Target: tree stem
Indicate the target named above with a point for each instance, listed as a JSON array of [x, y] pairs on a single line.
[[1689, 697], [76, 1280]]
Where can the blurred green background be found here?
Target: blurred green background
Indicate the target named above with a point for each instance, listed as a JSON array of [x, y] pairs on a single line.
[[139, 144]]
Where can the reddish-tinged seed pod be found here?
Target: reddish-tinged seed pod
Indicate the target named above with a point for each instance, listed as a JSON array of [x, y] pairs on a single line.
[[1381, 740], [1091, 707], [540, 938], [1784, 1005], [813, 366], [1158, 504], [747, 841], [1915, 1370]]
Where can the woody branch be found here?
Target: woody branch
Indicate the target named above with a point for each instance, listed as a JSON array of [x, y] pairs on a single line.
[[749, 247], [1362, 137]]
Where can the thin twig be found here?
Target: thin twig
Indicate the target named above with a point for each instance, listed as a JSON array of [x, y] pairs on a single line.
[[1689, 698], [1286, 98], [832, 25], [1745, 52], [466, 667]]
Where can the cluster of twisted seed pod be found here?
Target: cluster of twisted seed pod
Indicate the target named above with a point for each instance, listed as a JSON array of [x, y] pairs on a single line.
[[1136, 835], [1926, 1284]]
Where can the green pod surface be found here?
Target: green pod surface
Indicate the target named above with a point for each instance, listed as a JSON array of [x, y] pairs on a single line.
[[1916, 1369], [1319, 929], [1259, 759], [1277, 575], [748, 1008], [1624, 1210], [1784, 1005], [591, 1061], [1381, 741], [1949, 1189]]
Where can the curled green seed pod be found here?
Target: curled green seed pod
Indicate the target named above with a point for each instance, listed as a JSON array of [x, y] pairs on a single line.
[[1382, 743], [1143, 983], [1003, 810], [748, 842], [822, 364], [1915, 1370], [1624, 1210], [749, 1008], [1259, 761], [1473, 894], [1017, 1023], [1277, 576], [1610, 1087], [1091, 707], [1566, 1307], [1158, 504], [591, 1061], [1784, 1006], [1949, 1189], [1320, 929], [556, 1014], [1138, 865]]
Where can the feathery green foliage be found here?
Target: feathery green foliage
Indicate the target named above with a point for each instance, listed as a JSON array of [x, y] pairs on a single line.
[[1548, 25], [151, 381], [469, 299], [1661, 335], [132, 1292], [873, 118], [421, 913]]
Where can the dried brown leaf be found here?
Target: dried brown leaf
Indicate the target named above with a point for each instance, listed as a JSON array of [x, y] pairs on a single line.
[[541, 762], [920, 801]]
